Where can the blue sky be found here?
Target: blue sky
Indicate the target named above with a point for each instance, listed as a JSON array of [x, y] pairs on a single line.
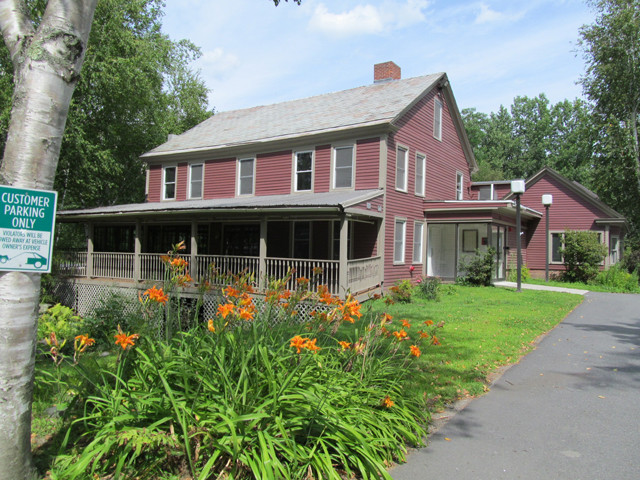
[[492, 50]]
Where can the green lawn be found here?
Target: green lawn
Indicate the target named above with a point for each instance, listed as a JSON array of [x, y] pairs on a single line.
[[592, 287], [484, 328]]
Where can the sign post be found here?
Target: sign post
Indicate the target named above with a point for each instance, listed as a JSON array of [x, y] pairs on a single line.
[[27, 221]]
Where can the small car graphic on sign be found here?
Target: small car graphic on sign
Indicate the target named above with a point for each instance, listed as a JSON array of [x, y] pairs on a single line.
[[29, 258]]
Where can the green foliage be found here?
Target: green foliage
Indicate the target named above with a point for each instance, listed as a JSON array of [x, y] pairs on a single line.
[[401, 291], [618, 279], [512, 274], [479, 269], [60, 320], [111, 311], [631, 259], [429, 288], [583, 253]]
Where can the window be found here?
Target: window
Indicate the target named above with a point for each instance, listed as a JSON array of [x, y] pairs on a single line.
[[195, 182], [246, 176], [418, 229], [486, 192], [557, 244], [399, 241], [459, 186], [303, 171], [169, 183], [343, 167], [437, 119], [301, 239], [421, 161], [401, 169]]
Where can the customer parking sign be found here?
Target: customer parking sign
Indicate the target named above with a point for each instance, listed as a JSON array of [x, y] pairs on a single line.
[[27, 223]]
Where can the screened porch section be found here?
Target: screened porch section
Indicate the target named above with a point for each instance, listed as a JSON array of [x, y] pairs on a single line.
[[341, 254]]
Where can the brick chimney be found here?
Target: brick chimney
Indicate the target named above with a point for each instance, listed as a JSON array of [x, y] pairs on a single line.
[[383, 72]]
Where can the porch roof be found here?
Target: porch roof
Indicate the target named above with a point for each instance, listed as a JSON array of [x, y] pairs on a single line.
[[487, 208], [339, 201]]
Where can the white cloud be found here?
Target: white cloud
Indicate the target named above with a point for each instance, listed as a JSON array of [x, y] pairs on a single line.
[[368, 19], [487, 15], [217, 62]]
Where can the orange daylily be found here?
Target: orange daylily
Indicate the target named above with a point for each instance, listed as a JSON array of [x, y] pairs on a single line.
[[298, 343], [405, 323], [179, 263], [157, 295], [387, 402], [344, 345], [401, 335], [349, 309], [210, 326], [435, 341], [428, 323], [231, 292], [311, 345], [82, 342], [423, 334], [226, 309], [125, 340], [386, 318], [415, 351], [245, 314]]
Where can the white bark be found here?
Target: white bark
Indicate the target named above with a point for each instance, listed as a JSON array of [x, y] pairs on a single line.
[[47, 63]]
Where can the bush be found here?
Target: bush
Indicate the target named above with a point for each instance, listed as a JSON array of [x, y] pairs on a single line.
[[525, 274], [61, 321], [583, 253], [618, 279], [479, 270], [631, 260], [429, 287], [113, 310], [401, 292]]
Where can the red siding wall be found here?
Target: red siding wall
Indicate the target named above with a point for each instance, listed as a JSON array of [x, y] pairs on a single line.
[[219, 178], [155, 183], [568, 211], [181, 187], [367, 163], [444, 159], [322, 168], [273, 173]]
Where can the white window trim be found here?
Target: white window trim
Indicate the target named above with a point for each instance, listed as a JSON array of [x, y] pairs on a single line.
[[253, 185], [492, 192], [421, 158], [437, 115], [294, 181], [402, 220], [164, 185], [460, 183], [403, 187], [334, 148], [191, 165], [420, 250]]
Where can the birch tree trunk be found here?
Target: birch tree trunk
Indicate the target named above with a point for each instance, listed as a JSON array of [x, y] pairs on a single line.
[[47, 62]]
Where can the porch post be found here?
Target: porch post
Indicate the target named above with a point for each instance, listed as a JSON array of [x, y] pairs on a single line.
[[137, 250], [194, 251], [89, 231], [342, 269], [262, 252]]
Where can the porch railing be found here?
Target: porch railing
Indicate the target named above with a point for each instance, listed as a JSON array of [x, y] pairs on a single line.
[[361, 273]]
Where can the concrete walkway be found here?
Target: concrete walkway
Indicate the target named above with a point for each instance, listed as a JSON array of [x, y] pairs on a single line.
[[531, 286], [568, 411]]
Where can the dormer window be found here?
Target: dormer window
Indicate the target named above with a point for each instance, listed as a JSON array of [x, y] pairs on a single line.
[[169, 183]]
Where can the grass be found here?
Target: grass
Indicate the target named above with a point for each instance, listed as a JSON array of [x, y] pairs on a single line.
[[484, 328], [592, 287]]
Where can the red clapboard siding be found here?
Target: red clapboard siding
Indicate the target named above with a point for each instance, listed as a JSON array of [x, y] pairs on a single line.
[[219, 178], [181, 187], [568, 211], [367, 163], [322, 173], [444, 158], [273, 173], [155, 183]]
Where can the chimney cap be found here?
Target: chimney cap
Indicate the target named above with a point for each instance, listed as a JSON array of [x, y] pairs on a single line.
[[386, 71]]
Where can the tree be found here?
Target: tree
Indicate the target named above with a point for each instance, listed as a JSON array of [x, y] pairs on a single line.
[[611, 49], [46, 59], [46, 54]]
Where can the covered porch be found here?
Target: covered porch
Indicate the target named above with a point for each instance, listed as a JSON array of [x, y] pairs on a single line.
[[330, 239]]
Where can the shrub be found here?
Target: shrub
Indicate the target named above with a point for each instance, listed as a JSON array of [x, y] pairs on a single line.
[[429, 287], [618, 279], [61, 321], [113, 310], [479, 270], [401, 292], [583, 253], [631, 260], [512, 274]]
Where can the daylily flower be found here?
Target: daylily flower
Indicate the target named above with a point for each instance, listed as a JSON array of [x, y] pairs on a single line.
[[387, 402], [82, 342], [210, 326], [401, 335], [157, 295], [226, 309], [386, 318], [124, 339], [311, 345], [344, 345], [405, 323], [415, 351], [298, 343]]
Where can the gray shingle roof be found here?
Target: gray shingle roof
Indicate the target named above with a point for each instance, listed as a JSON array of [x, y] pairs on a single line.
[[292, 201], [375, 104]]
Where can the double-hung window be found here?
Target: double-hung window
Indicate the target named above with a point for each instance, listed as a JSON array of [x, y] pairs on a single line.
[[399, 240], [195, 180], [437, 119], [421, 161], [418, 230], [169, 183], [486, 192], [401, 169], [459, 186], [303, 171], [343, 167], [246, 176]]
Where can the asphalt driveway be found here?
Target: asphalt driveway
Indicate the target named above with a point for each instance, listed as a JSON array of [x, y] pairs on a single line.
[[570, 410]]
